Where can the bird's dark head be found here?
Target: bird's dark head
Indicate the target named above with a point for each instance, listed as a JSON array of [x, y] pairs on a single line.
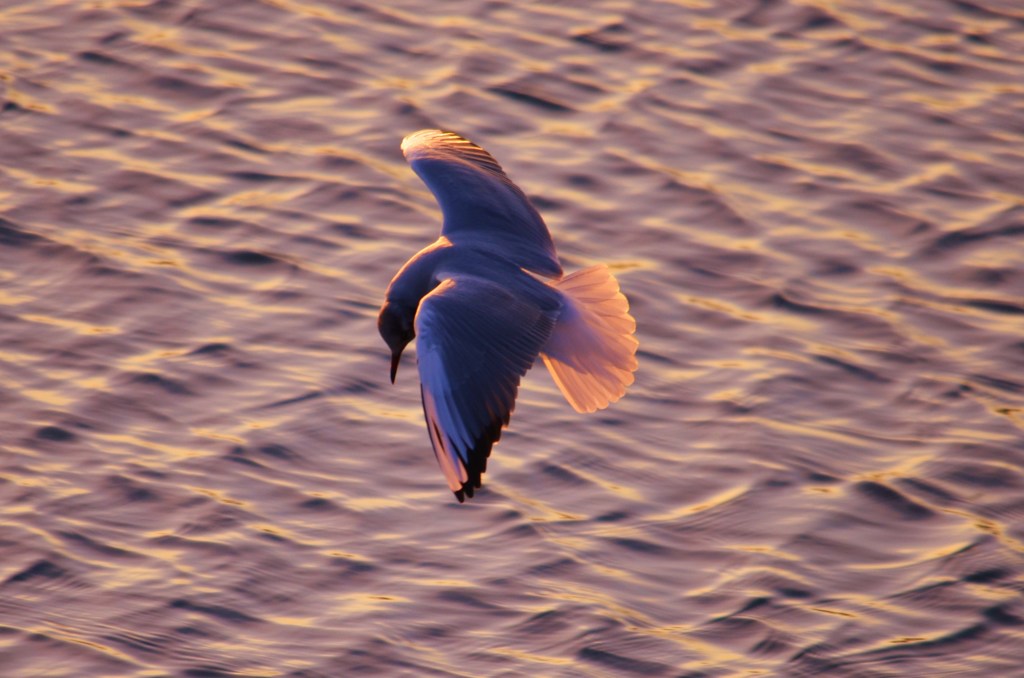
[[395, 324]]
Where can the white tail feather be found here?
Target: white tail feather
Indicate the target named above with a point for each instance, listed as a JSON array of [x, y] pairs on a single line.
[[591, 353]]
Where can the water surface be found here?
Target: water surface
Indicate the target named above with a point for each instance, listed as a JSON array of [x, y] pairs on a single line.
[[815, 209]]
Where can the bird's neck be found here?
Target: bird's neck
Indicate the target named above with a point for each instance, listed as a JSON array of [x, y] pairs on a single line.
[[419, 275]]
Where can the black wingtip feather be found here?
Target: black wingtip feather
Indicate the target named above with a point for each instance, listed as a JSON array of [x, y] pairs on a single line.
[[477, 463]]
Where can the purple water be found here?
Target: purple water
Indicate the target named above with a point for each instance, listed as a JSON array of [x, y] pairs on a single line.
[[816, 210]]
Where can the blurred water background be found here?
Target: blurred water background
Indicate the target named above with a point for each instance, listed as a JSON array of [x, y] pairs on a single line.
[[815, 207]]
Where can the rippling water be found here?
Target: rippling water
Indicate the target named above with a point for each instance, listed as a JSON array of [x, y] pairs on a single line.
[[816, 209]]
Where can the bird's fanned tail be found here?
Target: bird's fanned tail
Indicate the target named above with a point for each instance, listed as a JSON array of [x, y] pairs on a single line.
[[591, 353]]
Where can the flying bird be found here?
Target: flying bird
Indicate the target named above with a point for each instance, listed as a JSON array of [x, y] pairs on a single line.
[[486, 299]]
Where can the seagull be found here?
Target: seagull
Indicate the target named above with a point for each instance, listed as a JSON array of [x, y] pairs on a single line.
[[486, 299]]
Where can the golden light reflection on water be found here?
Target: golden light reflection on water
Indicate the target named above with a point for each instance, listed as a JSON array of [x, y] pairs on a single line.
[[532, 657], [73, 325], [993, 527], [916, 557], [48, 397], [127, 444], [539, 511], [219, 497], [216, 435], [134, 163], [34, 180], [720, 499], [373, 504], [63, 634], [710, 654], [358, 603]]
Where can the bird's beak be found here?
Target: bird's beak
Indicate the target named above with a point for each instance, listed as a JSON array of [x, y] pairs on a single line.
[[395, 357]]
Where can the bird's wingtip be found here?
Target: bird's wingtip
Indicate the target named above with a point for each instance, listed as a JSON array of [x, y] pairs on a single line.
[[410, 139], [419, 139]]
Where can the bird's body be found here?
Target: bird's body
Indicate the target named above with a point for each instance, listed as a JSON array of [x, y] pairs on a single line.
[[487, 299]]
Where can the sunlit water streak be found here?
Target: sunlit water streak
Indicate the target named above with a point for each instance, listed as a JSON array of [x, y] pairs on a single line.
[[815, 209]]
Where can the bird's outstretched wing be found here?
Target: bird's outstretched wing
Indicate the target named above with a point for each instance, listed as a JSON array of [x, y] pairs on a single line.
[[474, 341], [481, 205]]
